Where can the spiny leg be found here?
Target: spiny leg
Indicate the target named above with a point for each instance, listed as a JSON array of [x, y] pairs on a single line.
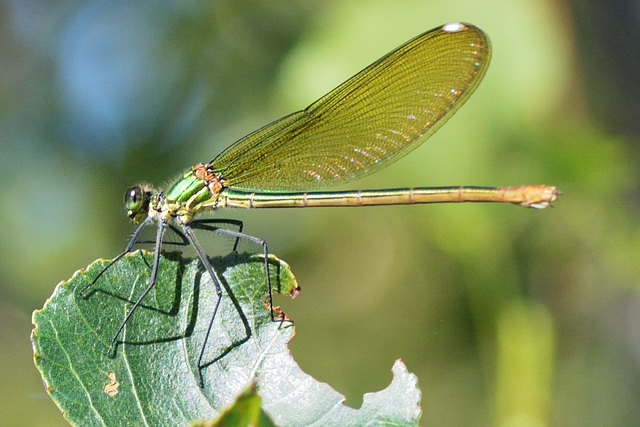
[[132, 242], [204, 225], [183, 242], [152, 281], [216, 282], [256, 240], [212, 221]]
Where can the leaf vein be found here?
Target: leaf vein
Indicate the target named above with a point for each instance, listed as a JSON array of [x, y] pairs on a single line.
[[75, 374]]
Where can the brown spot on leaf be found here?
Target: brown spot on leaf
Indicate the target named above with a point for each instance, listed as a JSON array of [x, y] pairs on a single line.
[[111, 386]]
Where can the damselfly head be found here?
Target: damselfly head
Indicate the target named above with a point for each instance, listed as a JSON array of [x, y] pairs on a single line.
[[136, 202]]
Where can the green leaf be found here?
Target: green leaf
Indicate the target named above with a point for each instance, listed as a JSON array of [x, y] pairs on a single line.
[[246, 410], [152, 377]]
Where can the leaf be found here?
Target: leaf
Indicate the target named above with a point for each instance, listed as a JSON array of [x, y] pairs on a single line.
[[152, 378], [246, 410]]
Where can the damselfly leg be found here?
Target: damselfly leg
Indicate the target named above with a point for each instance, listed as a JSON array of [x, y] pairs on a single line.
[[187, 237]]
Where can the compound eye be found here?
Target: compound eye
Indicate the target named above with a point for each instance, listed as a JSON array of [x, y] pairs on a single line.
[[134, 199]]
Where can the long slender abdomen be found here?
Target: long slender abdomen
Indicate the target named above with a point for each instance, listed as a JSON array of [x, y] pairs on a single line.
[[533, 196]]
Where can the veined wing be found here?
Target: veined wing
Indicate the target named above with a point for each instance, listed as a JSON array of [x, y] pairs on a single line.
[[366, 123]]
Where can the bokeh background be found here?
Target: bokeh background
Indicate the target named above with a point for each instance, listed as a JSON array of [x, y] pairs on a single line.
[[507, 316]]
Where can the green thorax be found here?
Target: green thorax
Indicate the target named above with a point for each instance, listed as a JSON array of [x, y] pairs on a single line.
[[198, 186], [187, 187]]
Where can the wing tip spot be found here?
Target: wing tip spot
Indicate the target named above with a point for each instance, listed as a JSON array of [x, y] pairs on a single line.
[[454, 27]]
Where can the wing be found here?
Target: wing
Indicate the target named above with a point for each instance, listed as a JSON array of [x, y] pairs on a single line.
[[366, 123]]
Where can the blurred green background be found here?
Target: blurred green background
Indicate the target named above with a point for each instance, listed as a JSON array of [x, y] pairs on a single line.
[[507, 316]]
